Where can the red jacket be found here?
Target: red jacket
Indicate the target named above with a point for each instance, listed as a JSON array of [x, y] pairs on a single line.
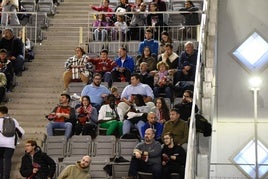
[[103, 65]]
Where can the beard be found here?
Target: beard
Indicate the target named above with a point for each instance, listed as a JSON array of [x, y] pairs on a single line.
[[97, 84]]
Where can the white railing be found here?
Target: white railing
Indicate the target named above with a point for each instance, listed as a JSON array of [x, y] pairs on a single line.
[[28, 31], [192, 148]]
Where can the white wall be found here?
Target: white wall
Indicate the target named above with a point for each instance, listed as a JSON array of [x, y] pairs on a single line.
[[233, 121]]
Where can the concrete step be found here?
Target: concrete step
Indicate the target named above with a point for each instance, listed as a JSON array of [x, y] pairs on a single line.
[[74, 24], [66, 33], [70, 20], [69, 16]]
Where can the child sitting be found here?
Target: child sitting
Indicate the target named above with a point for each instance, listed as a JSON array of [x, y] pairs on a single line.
[[163, 80]]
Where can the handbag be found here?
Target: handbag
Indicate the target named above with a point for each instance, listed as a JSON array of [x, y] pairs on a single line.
[[82, 119]]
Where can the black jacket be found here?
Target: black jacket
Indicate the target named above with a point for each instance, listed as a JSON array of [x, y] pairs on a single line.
[[47, 169]]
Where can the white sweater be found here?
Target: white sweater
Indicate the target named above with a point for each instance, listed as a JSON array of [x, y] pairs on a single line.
[[9, 142]]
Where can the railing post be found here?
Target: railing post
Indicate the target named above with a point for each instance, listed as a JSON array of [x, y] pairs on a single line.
[[80, 36]]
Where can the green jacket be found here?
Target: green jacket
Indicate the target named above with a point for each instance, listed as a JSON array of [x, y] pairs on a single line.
[[179, 128], [75, 171]]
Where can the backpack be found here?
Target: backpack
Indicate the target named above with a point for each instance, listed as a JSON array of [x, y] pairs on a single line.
[[202, 125], [9, 128]]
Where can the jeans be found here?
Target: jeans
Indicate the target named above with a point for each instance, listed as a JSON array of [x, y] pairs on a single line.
[[18, 64], [62, 125], [5, 162], [100, 34], [139, 165], [9, 19], [127, 125]]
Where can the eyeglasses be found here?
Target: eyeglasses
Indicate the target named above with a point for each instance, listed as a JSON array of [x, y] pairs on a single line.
[[186, 96]]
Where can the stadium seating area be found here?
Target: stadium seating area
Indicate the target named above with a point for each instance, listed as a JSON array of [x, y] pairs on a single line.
[[103, 150], [64, 151]]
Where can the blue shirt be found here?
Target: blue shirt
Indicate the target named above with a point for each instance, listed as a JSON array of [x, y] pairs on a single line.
[[128, 63], [95, 92], [142, 89], [158, 127], [152, 44]]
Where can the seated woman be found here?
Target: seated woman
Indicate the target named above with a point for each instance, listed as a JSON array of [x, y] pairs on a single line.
[[87, 118], [161, 110], [163, 80], [146, 57], [165, 39], [77, 68], [108, 117], [101, 28]]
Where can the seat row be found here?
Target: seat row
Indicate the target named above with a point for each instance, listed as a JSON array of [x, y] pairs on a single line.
[[41, 6], [94, 48], [101, 150]]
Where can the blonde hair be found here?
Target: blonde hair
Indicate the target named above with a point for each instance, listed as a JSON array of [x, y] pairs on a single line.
[[162, 63], [114, 89]]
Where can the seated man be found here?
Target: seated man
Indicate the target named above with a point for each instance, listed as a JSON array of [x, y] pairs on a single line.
[[169, 57], [7, 68], [109, 118], [77, 68], [149, 42], [146, 77], [14, 47], [173, 158], [178, 127], [153, 124], [124, 66], [136, 87], [104, 66], [62, 116], [186, 105], [187, 64], [79, 170], [96, 91], [146, 157]]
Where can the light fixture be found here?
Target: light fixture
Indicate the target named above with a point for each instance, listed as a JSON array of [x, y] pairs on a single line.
[[255, 82]]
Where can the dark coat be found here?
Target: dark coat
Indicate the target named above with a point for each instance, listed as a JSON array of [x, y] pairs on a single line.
[[47, 169]]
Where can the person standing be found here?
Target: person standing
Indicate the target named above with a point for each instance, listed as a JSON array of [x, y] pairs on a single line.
[[36, 164], [7, 144], [79, 171], [10, 6]]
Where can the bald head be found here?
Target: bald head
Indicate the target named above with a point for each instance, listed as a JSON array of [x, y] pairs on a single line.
[[149, 135], [85, 161]]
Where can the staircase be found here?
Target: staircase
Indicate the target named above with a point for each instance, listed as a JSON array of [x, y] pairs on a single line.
[[39, 87]]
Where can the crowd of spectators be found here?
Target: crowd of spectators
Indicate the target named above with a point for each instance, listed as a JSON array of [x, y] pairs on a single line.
[[12, 60], [141, 110], [139, 14]]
